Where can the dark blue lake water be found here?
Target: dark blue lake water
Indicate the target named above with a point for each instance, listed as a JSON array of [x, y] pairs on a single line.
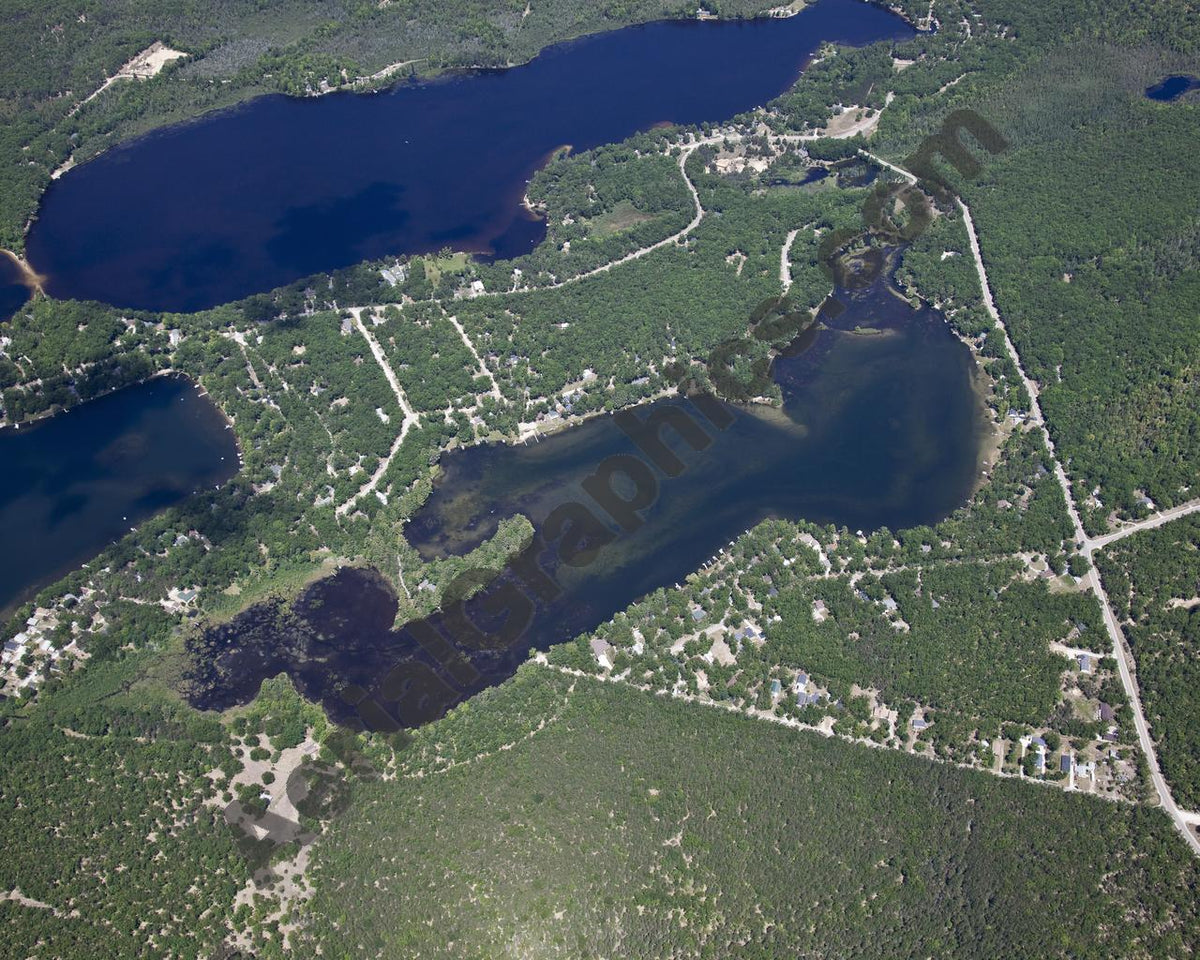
[[74, 483], [1172, 88], [281, 188], [13, 291], [880, 426]]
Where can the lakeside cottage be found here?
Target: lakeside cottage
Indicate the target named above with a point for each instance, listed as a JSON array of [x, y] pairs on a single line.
[[602, 651]]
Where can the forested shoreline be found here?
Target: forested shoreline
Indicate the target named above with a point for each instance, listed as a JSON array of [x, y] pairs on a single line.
[[895, 638]]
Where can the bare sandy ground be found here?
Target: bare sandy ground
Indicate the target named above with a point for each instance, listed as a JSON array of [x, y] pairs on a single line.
[[149, 63], [29, 277]]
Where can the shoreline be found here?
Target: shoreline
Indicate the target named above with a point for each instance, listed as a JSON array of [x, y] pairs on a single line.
[[29, 277], [385, 80], [52, 412], [70, 566]]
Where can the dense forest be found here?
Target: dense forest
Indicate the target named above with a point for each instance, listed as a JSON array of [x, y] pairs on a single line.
[[105, 824], [580, 819], [1087, 224]]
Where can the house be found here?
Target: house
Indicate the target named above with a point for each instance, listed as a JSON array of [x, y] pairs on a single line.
[[1038, 742], [919, 723], [1040, 763], [697, 613], [1085, 663], [1105, 712], [602, 651], [394, 275], [182, 597], [801, 680], [1064, 763], [776, 687]]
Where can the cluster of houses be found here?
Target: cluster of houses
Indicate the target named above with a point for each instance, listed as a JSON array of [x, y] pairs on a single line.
[[33, 640], [1068, 763]]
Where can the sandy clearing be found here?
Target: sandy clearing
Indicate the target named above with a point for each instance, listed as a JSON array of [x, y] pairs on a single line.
[[785, 265], [15, 896], [855, 120], [29, 277], [149, 63]]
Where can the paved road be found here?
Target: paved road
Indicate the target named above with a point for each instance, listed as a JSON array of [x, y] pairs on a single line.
[[1157, 520], [1124, 666], [1124, 662]]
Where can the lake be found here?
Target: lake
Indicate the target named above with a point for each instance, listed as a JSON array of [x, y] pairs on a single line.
[[281, 188], [1172, 88], [74, 483], [13, 290], [880, 426]]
